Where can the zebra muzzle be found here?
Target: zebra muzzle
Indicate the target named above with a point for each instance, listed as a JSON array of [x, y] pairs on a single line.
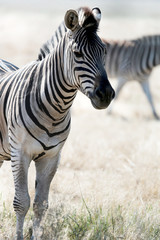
[[102, 97]]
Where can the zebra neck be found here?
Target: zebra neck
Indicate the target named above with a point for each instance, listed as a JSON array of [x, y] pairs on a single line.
[[55, 93]]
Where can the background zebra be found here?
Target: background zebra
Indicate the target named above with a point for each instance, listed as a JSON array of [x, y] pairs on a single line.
[[35, 106], [133, 60]]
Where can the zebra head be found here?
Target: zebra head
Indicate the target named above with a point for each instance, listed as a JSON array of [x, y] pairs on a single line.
[[85, 57]]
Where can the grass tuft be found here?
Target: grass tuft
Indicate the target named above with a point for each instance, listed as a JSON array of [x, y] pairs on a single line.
[[113, 223]]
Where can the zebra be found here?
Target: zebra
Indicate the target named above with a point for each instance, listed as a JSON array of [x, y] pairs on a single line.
[[133, 60], [35, 103]]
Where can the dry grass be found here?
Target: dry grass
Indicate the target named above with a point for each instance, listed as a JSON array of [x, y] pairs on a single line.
[[110, 163]]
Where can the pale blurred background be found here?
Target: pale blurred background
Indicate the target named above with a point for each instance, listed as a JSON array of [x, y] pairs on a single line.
[[26, 24], [106, 158]]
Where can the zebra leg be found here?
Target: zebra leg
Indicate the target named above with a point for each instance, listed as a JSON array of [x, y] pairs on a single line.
[[45, 170], [121, 83], [20, 163], [146, 89]]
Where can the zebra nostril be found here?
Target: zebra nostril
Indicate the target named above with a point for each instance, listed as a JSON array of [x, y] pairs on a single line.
[[107, 94], [99, 93]]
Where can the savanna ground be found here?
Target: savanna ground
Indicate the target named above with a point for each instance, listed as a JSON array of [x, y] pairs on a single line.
[[108, 182]]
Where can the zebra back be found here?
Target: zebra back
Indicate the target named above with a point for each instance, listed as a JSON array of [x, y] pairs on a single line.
[[133, 59]]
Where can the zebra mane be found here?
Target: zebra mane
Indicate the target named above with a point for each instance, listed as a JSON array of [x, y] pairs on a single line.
[[50, 44], [148, 38]]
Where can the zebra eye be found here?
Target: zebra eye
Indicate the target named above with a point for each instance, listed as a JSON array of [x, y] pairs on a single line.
[[78, 54]]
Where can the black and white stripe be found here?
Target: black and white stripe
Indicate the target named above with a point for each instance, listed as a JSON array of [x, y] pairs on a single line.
[[35, 106], [134, 60]]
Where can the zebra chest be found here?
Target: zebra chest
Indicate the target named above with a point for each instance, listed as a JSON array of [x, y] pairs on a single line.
[[40, 136], [40, 143], [49, 149]]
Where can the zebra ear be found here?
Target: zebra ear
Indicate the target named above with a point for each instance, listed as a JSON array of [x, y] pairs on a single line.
[[97, 14], [71, 19]]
